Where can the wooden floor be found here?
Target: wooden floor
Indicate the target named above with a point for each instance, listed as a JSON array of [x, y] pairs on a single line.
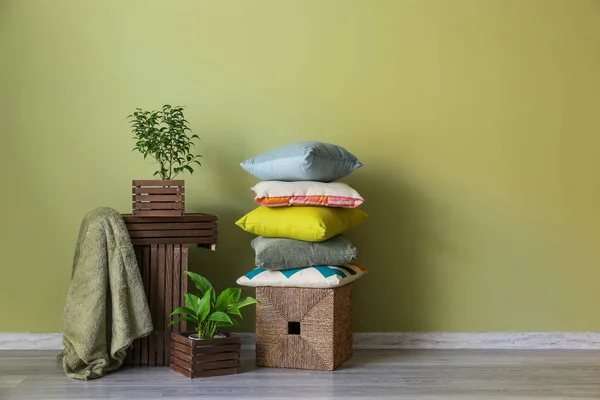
[[371, 374]]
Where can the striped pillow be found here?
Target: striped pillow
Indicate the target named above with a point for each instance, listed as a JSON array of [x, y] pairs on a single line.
[[306, 193], [319, 276]]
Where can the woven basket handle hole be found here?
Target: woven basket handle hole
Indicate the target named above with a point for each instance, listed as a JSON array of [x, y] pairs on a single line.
[[293, 328]]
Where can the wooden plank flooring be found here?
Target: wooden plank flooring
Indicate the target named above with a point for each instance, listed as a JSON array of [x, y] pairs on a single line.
[[370, 374]]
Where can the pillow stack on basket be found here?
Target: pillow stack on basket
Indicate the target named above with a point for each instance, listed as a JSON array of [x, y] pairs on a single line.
[[302, 216]]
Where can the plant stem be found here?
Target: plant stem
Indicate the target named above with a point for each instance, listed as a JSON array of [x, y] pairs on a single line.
[[171, 158]]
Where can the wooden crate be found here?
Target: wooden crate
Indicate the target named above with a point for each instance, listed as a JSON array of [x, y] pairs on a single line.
[[161, 247], [204, 358], [303, 328], [154, 198], [201, 229]]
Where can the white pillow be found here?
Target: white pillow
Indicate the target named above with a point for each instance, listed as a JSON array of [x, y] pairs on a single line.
[[306, 193], [320, 276]]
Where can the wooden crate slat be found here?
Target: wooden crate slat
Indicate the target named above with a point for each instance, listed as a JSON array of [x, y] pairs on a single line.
[[137, 345], [184, 340], [184, 280], [160, 325], [145, 342], [174, 240], [195, 217], [173, 233], [176, 281], [158, 198], [129, 358], [203, 367], [195, 344], [180, 363], [216, 349], [170, 226], [181, 371], [153, 305], [180, 346], [158, 213], [181, 355], [216, 365], [153, 182], [216, 357], [158, 190], [214, 372], [168, 295], [139, 206], [203, 374]]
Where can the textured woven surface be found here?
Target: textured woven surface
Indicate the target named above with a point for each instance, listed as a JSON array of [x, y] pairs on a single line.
[[325, 339]]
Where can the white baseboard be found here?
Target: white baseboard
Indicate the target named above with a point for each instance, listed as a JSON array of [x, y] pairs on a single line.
[[30, 341], [384, 340]]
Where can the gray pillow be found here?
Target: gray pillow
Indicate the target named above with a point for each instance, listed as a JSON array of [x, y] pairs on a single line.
[[280, 253]]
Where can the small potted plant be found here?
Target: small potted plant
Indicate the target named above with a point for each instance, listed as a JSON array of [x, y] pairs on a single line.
[[205, 351], [162, 135]]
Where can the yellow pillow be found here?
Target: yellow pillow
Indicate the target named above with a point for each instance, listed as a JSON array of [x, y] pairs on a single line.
[[311, 224]]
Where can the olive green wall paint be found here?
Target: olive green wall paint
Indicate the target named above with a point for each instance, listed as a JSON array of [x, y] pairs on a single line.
[[478, 123]]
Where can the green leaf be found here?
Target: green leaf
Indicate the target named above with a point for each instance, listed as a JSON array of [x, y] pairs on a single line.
[[227, 297], [201, 283], [191, 301], [233, 310], [183, 310], [188, 168], [220, 316], [247, 301], [204, 305]]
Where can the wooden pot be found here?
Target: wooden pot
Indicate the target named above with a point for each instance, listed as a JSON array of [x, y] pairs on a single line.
[[203, 358], [158, 198]]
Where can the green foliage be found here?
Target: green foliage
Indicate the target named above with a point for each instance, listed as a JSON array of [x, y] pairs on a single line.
[[206, 311], [163, 135]]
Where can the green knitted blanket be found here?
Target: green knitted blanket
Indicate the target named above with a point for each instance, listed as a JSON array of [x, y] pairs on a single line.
[[95, 335]]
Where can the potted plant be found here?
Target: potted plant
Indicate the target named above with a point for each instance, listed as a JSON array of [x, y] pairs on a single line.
[[162, 135], [205, 351]]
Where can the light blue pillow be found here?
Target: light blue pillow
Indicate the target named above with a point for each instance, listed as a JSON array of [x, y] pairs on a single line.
[[303, 161]]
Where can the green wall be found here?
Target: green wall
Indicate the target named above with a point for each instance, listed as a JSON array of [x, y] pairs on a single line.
[[478, 123]]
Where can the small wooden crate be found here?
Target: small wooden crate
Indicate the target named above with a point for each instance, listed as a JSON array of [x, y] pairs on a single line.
[[158, 198], [303, 328], [204, 358]]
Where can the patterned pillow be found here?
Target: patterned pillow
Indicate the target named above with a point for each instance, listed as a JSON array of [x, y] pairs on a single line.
[[303, 161], [320, 276], [306, 193]]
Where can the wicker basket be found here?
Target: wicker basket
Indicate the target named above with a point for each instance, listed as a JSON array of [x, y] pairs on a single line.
[[303, 328]]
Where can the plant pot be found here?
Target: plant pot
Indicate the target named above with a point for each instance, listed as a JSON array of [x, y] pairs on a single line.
[[195, 336], [196, 358], [158, 198]]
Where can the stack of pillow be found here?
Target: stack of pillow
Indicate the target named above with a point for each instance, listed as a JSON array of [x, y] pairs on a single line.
[[302, 216]]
